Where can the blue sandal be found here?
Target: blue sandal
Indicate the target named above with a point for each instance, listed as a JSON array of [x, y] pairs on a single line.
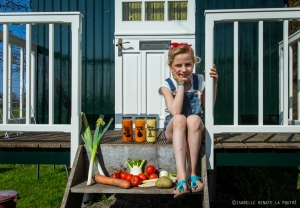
[[192, 180], [180, 188]]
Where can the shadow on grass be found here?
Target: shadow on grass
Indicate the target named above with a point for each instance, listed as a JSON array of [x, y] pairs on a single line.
[[146, 200], [257, 184], [3, 170]]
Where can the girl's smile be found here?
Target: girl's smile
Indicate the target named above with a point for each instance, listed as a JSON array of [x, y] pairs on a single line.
[[183, 66]]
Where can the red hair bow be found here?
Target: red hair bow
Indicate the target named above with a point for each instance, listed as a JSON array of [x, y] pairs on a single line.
[[179, 44], [174, 45]]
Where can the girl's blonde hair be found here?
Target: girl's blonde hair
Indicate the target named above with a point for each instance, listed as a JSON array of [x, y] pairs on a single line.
[[182, 49]]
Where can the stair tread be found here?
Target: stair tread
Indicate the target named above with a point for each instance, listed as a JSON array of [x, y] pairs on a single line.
[[102, 188]]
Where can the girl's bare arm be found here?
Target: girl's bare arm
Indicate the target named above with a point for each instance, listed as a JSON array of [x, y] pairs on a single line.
[[174, 105]]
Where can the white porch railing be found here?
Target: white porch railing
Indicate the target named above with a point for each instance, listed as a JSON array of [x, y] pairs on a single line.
[[236, 16], [20, 47], [294, 39], [44, 18]]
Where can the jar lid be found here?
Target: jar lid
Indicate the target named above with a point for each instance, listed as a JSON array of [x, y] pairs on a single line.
[[127, 117], [151, 117], [6, 195], [139, 117]]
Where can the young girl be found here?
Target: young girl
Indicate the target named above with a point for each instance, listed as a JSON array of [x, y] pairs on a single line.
[[184, 93]]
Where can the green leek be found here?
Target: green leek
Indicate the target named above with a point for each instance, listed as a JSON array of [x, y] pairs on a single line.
[[93, 143]]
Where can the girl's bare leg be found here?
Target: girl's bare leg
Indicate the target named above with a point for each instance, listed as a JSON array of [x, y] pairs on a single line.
[[176, 133], [194, 136]]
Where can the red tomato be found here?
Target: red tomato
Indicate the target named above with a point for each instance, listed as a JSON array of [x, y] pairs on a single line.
[[115, 175], [146, 174], [135, 181], [150, 169], [143, 176], [129, 177], [124, 175], [152, 176], [118, 171]]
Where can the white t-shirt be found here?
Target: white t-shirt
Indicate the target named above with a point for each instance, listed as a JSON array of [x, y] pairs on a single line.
[[201, 87]]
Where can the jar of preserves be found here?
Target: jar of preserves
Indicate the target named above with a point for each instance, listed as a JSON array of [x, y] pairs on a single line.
[[140, 131], [151, 129], [127, 129]]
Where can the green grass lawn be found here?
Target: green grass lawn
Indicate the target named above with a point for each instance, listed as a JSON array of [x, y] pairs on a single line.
[[47, 191]]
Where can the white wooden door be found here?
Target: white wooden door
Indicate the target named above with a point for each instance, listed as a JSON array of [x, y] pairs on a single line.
[[143, 30]]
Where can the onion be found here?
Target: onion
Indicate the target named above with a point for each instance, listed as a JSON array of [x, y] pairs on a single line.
[[163, 173]]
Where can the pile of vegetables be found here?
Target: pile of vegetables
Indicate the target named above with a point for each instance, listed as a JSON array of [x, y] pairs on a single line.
[[136, 175], [148, 178], [165, 180]]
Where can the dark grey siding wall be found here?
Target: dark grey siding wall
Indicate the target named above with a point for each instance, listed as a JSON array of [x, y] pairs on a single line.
[[98, 60]]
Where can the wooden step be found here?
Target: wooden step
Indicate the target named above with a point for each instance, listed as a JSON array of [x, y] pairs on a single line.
[[101, 188], [112, 155]]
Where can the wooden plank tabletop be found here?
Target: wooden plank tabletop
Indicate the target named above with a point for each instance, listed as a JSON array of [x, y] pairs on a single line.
[[101, 188], [228, 141]]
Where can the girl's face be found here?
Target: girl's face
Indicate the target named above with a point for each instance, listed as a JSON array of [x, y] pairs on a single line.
[[183, 66]]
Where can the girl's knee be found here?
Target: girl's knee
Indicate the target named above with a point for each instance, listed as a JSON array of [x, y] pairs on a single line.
[[194, 122], [179, 121]]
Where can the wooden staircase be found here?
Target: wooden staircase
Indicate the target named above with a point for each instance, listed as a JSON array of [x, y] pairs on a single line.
[[112, 155]]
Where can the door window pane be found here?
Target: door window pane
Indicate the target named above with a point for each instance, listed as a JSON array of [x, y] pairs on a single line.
[[132, 11], [177, 10], [155, 11]]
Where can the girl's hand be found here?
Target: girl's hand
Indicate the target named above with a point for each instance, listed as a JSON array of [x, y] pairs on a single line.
[[177, 78], [213, 74]]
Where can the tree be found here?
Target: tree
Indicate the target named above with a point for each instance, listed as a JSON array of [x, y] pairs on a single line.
[[19, 31], [15, 5]]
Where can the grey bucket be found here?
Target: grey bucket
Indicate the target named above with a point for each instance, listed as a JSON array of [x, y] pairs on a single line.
[[8, 198]]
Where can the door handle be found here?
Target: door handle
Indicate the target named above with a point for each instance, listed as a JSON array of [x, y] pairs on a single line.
[[119, 45]]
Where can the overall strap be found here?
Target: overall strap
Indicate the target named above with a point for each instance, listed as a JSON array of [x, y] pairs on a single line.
[[195, 82], [172, 86]]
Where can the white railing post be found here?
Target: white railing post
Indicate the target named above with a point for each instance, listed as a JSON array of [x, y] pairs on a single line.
[[21, 81], [76, 87], [209, 102], [9, 73], [260, 74], [51, 74], [33, 89], [285, 72], [28, 73], [281, 98], [236, 73], [290, 69], [5, 73]]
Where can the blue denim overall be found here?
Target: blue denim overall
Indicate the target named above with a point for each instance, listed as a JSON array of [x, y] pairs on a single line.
[[191, 103]]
